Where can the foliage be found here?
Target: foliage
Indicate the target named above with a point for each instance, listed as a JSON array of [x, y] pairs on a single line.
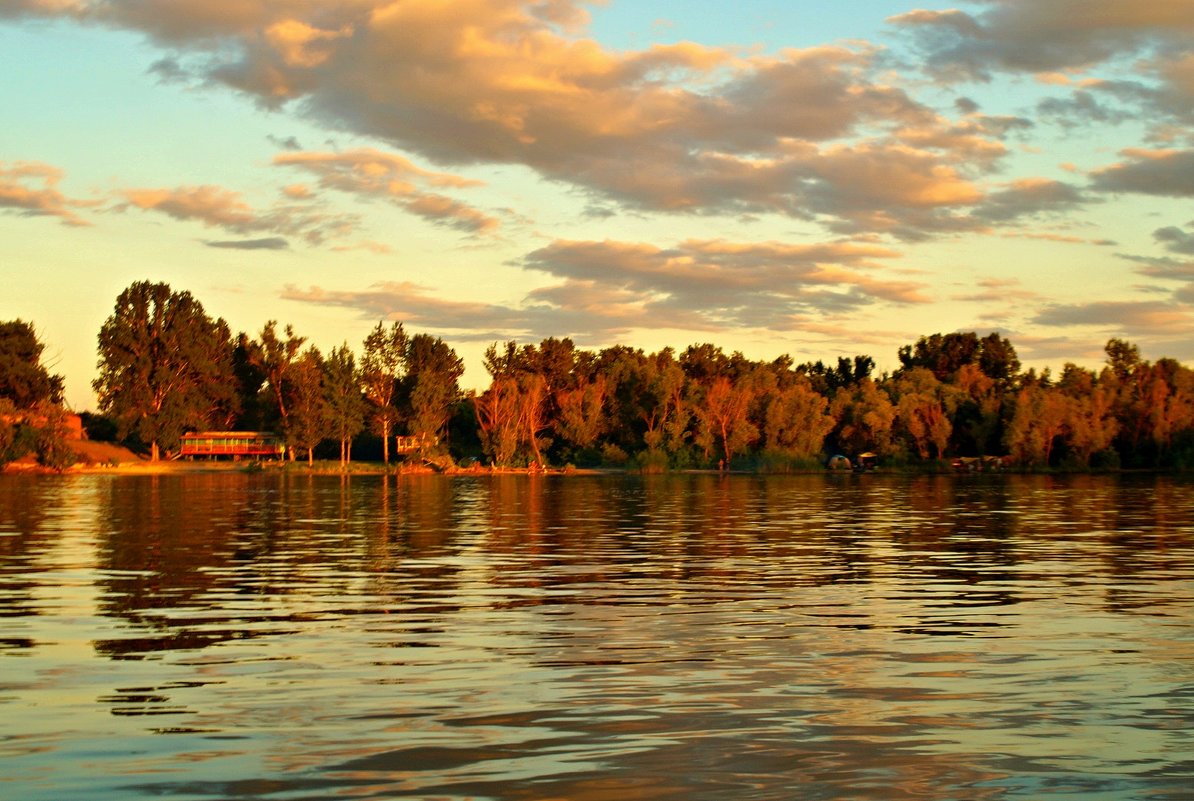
[[24, 380], [345, 404], [431, 388], [866, 417], [310, 416], [270, 357], [51, 443], [165, 366], [381, 365]]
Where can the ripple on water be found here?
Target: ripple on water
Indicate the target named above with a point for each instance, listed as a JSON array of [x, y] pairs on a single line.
[[658, 637]]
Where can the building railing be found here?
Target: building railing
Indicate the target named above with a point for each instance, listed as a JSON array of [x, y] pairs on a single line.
[[231, 443]]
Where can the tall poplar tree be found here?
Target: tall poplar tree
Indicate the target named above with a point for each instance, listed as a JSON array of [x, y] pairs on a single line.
[[345, 404], [308, 404], [165, 366], [381, 366]]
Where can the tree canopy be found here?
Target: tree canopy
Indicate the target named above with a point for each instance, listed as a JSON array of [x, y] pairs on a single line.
[[24, 380], [164, 366]]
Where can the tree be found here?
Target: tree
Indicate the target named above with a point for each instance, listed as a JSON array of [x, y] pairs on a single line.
[[865, 417], [1090, 421], [254, 400], [1122, 357], [945, 354], [580, 418], [24, 380], [381, 364], [52, 434], [310, 417], [345, 404], [431, 387], [976, 419], [513, 411], [532, 413], [723, 416], [11, 445], [797, 420], [165, 366], [1039, 419], [497, 411], [848, 372], [273, 356], [923, 407]]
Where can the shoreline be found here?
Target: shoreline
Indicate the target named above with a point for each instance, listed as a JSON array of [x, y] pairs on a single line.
[[144, 467]]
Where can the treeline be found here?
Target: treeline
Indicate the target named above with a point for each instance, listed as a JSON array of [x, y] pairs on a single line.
[[953, 395], [166, 368]]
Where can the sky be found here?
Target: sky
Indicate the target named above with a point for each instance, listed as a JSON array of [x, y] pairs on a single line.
[[803, 178]]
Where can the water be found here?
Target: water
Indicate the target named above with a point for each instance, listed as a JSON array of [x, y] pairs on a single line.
[[233, 636]]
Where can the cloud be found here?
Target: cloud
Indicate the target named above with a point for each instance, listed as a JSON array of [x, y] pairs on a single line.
[[998, 290], [1175, 240], [416, 305], [812, 133], [1126, 316], [1153, 43], [284, 142], [1029, 197], [371, 173], [1035, 36], [267, 243], [728, 284], [1168, 173], [609, 289], [16, 8], [216, 207], [32, 189]]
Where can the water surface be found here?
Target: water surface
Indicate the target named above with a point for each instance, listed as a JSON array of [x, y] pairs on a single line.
[[509, 637]]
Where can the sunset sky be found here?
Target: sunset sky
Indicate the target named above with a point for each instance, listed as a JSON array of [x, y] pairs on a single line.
[[774, 176]]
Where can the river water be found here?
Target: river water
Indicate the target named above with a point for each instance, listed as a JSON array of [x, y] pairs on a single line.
[[260, 636]]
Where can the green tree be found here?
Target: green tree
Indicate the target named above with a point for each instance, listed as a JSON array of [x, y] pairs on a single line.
[[165, 366], [865, 417], [431, 388], [310, 417], [381, 367], [272, 356], [797, 420], [345, 404], [945, 354], [24, 380]]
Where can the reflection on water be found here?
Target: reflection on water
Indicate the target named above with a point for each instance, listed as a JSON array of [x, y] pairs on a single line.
[[511, 637]]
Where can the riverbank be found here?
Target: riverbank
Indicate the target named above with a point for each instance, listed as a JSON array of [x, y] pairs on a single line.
[[138, 466]]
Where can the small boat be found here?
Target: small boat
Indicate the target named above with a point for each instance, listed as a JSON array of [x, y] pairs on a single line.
[[865, 462]]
